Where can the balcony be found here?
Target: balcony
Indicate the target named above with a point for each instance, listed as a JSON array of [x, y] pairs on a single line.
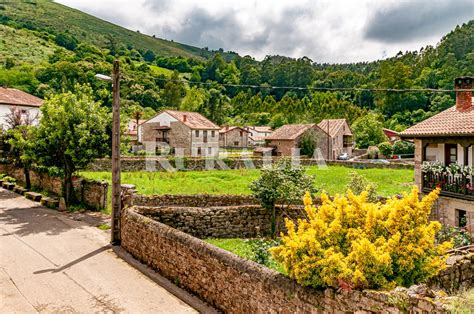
[[457, 185], [348, 141]]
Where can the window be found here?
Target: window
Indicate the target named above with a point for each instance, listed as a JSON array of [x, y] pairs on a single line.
[[241, 133], [205, 136], [461, 218], [209, 151], [196, 133], [205, 133], [451, 154], [466, 156], [199, 151], [213, 133], [236, 143]]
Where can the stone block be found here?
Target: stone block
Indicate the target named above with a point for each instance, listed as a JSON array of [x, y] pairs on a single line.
[[33, 196], [8, 185], [20, 190]]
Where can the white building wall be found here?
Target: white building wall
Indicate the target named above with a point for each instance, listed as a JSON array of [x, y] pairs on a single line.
[[163, 118], [211, 148], [33, 112]]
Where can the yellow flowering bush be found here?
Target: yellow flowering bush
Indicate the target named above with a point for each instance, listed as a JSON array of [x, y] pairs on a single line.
[[350, 242]]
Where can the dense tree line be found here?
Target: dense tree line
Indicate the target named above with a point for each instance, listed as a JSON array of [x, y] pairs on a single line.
[[208, 86]]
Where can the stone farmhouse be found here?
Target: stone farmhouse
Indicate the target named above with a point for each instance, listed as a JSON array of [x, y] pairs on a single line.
[[285, 140], [233, 136], [187, 133], [447, 139], [341, 139], [27, 105], [257, 134]]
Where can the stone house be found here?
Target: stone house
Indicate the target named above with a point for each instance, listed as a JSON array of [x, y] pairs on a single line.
[[186, 133], [233, 136], [257, 134], [447, 139], [27, 105], [286, 139], [341, 139]]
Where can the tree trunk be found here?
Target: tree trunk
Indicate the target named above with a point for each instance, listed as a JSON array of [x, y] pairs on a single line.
[[26, 171], [274, 222], [69, 195]]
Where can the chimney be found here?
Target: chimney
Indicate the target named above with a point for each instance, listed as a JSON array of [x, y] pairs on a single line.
[[185, 118], [463, 98]]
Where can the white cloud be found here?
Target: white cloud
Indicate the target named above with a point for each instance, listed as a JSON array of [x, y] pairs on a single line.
[[326, 31]]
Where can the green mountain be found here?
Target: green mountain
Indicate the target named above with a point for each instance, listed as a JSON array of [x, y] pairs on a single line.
[[54, 18]]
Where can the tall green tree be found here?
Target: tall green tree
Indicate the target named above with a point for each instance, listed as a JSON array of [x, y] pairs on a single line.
[[368, 131], [71, 133]]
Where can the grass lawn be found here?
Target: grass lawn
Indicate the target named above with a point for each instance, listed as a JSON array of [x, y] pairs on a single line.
[[333, 180], [244, 249]]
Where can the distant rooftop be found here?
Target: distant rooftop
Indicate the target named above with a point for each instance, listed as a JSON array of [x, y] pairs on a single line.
[[12, 96], [289, 131], [193, 120]]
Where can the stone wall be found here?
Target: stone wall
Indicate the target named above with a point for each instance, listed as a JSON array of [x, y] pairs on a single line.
[[192, 163], [91, 193], [459, 275], [246, 221], [195, 200], [234, 285]]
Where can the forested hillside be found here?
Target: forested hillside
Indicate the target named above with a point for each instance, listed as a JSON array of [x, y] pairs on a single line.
[[182, 77]]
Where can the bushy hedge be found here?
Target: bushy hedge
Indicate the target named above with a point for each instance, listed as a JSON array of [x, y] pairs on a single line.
[[350, 242]]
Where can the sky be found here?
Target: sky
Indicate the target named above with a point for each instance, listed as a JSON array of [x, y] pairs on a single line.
[[336, 31]]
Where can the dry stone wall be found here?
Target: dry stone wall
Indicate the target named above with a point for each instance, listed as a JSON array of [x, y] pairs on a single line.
[[197, 163], [91, 193], [214, 222], [234, 285]]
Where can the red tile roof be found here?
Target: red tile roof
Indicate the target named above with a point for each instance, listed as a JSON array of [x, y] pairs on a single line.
[[260, 129], [12, 96], [334, 126], [289, 131], [230, 128], [450, 122], [193, 120]]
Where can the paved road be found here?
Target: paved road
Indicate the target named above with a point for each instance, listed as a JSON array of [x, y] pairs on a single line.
[[50, 263]]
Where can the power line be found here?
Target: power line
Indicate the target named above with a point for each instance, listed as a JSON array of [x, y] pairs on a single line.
[[342, 89]]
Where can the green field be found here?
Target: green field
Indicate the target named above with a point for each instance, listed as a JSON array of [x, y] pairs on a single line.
[[333, 180]]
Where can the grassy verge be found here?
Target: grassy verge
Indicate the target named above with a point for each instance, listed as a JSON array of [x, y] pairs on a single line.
[[332, 180]]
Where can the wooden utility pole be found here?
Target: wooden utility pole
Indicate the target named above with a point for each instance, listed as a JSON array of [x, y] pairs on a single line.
[[116, 187]]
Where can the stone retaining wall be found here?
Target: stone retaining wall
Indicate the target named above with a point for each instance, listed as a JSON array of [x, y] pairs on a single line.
[[196, 163], [91, 193], [234, 285]]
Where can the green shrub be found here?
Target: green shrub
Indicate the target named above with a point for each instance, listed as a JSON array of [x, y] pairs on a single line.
[[9, 179], [283, 182], [350, 242], [403, 148], [358, 184], [386, 149], [458, 236]]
